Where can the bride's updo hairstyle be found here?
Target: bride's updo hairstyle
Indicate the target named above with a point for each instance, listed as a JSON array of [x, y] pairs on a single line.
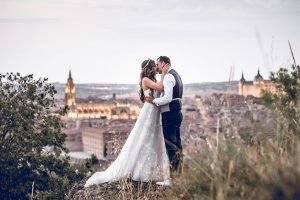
[[147, 70]]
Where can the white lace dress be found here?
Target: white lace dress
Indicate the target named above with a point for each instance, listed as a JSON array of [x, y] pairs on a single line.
[[143, 156]]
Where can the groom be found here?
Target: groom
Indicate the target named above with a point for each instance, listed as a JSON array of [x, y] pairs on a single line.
[[170, 106]]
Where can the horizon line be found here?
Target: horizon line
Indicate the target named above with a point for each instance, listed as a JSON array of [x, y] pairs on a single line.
[[56, 82]]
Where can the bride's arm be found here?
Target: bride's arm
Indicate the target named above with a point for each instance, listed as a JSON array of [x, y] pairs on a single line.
[[154, 85]]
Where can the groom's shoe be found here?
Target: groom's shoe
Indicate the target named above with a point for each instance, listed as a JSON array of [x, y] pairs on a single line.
[[164, 183]]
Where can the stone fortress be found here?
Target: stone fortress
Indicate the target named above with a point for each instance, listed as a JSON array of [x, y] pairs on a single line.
[[255, 87]]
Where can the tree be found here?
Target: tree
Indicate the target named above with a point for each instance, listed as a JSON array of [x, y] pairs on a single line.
[[31, 142], [286, 105]]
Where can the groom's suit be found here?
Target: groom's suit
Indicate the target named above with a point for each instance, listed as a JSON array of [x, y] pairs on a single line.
[[170, 107]]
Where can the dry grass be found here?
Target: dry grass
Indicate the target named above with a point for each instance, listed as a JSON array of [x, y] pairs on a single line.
[[225, 169], [233, 170]]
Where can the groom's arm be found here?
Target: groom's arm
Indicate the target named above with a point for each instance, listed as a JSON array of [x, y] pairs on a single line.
[[169, 83]]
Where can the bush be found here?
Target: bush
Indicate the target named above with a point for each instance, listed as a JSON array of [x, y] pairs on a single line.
[[286, 106], [31, 140]]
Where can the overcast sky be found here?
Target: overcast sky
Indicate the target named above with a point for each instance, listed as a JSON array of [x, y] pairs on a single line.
[[105, 41]]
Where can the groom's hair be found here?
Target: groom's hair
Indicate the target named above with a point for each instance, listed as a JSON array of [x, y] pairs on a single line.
[[164, 59]]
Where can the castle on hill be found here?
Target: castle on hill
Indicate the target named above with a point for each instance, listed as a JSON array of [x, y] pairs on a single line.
[[256, 86], [104, 109]]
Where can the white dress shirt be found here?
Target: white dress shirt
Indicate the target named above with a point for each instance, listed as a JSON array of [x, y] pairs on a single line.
[[167, 95]]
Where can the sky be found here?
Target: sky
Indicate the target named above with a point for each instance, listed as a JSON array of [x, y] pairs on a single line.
[[106, 41]]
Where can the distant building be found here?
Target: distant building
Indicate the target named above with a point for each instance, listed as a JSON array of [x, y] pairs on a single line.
[[97, 108], [106, 141], [92, 140], [255, 87]]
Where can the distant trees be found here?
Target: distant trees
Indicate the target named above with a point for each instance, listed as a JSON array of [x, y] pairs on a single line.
[[32, 164], [286, 105]]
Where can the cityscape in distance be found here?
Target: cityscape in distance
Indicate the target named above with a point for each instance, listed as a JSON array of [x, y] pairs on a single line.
[[105, 91]]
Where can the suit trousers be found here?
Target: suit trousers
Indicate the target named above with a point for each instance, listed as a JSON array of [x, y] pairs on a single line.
[[171, 122]]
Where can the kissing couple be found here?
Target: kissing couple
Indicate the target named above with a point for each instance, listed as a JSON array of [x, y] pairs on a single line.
[[153, 150]]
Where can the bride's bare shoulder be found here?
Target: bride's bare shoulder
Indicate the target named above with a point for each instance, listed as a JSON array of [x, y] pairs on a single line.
[[145, 80]]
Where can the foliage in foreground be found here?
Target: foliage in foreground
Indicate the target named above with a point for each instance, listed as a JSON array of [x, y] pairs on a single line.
[[31, 141], [286, 106]]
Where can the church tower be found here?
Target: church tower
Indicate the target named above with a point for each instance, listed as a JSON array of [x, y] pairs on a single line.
[[70, 91]]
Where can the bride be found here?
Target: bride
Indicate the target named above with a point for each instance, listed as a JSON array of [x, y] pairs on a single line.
[[143, 156]]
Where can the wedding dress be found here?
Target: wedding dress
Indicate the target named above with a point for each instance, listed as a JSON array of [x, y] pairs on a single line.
[[143, 156]]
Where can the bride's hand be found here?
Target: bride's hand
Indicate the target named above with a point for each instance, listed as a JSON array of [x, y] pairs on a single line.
[[165, 69], [149, 99]]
